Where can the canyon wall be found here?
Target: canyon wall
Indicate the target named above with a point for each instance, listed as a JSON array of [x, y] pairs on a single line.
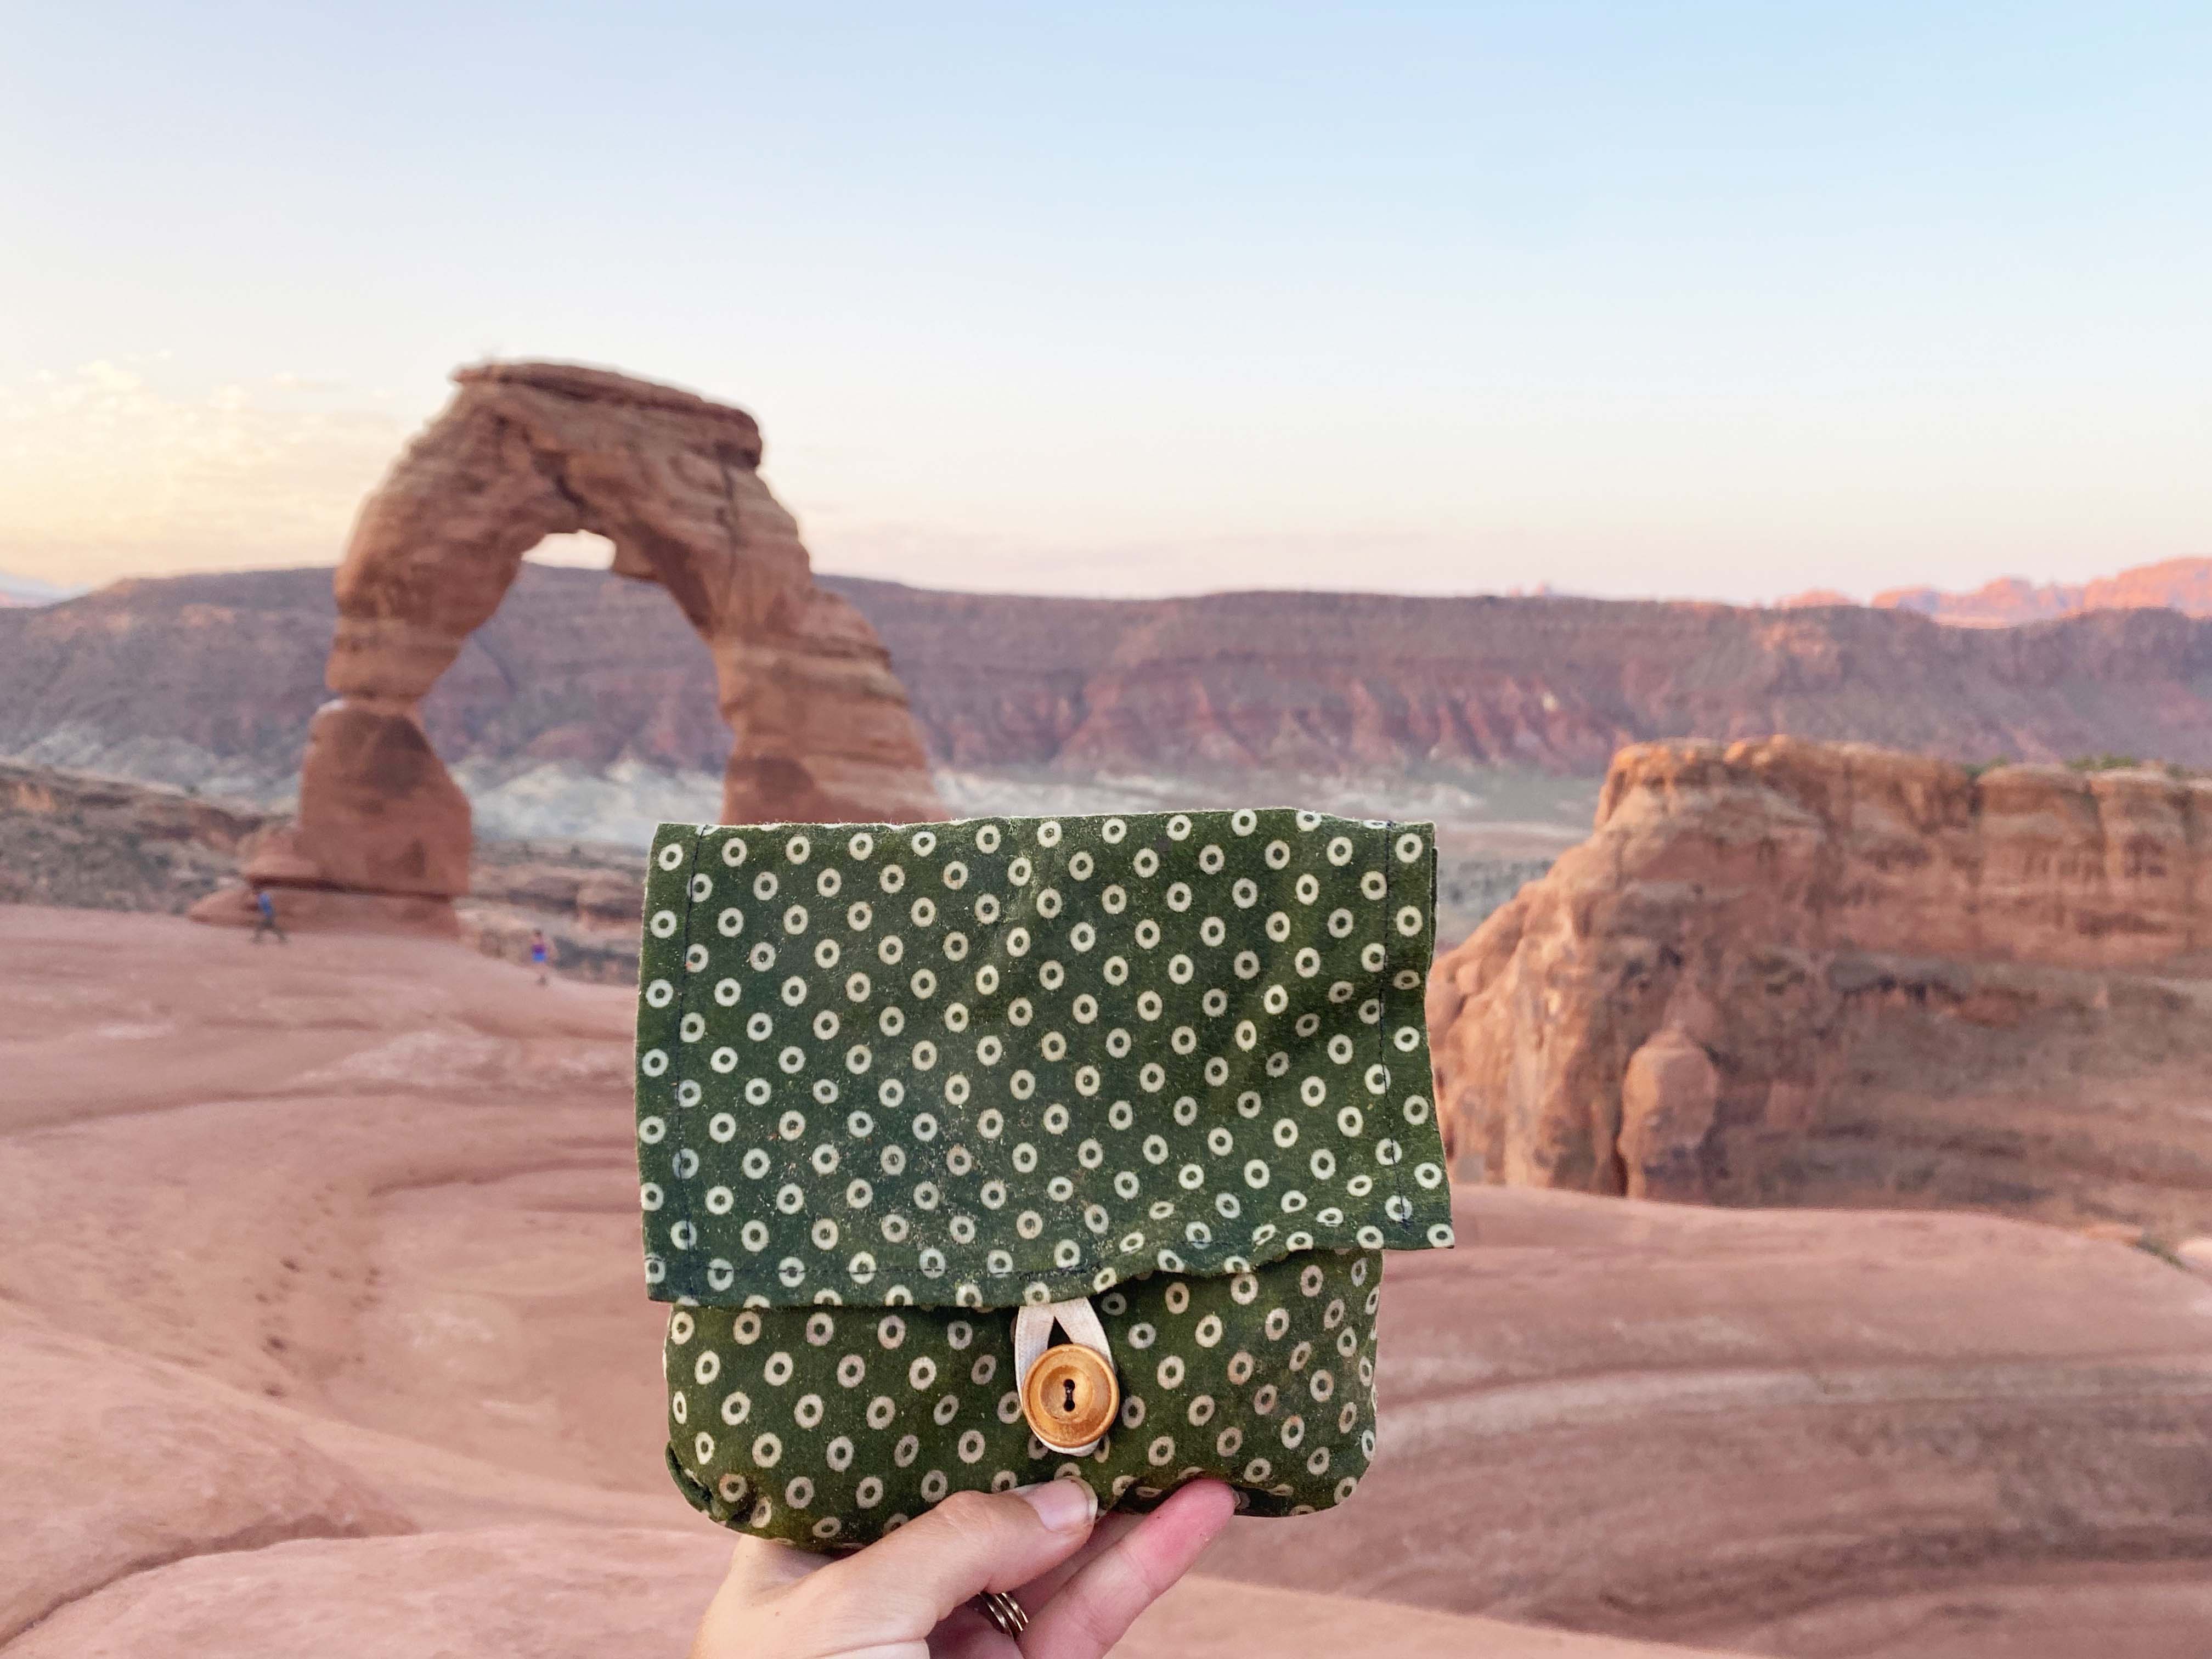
[[577, 707], [1321, 682], [1785, 972]]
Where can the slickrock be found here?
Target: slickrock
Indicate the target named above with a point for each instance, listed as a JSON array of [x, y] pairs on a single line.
[[111, 1464], [1766, 1431], [1781, 971], [525, 451], [376, 1196], [546, 1592], [1209, 1617]]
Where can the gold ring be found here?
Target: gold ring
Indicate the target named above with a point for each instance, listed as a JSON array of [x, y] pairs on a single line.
[[1010, 1617]]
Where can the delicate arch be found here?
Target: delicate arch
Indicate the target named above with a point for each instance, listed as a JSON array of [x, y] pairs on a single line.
[[821, 728]]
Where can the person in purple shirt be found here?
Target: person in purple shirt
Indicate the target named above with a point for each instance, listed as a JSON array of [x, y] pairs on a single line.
[[539, 951]]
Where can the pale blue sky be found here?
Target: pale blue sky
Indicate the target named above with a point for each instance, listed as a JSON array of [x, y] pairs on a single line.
[[1702, 299]]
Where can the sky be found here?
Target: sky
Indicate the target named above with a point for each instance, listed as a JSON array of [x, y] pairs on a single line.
[[1718, 300]]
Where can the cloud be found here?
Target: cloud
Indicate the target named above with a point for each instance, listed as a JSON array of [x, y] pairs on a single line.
[[103, 473]]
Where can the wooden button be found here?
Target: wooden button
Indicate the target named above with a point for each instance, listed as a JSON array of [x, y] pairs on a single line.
[[1070, 1397]]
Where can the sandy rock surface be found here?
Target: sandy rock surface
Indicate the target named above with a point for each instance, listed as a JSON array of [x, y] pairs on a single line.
[[112, 1465], [321, 1330], [1717, 1425], [561, 1592]]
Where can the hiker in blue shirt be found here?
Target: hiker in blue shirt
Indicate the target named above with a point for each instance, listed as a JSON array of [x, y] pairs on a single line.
[[264, 917], [538, 953]]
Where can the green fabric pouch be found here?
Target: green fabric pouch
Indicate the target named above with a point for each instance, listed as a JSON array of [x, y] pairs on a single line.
[[1158, 1078]]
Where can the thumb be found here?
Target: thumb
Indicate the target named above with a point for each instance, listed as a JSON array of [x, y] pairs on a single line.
[[901, 1589]]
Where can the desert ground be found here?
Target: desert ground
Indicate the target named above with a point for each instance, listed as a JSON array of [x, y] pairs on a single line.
[[321, 1313]]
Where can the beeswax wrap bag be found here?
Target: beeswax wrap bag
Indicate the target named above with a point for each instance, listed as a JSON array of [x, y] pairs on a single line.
[[1164, 1075]]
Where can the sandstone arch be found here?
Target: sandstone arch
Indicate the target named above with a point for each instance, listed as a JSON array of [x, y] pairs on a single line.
[[527, 450]]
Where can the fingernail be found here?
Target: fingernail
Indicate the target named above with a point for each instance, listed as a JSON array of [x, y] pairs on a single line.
[[1062, 1505]]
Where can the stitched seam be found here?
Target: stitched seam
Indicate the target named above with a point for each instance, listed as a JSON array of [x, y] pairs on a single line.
[[655, 1029], [1391, 895], [1394, 1000], [682, 1004]]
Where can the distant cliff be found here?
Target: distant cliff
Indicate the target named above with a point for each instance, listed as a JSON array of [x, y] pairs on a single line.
[[582, 678], [1322, 682], [2183, 585]]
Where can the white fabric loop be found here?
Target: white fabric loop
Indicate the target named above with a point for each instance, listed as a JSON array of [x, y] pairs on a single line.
[[1033, 1336]]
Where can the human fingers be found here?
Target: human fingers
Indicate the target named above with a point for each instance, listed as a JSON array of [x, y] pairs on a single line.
[[759, 1567], [1109, 1530], [1098, 1604], [901, 1589], [759, 1573], [967, 1634]]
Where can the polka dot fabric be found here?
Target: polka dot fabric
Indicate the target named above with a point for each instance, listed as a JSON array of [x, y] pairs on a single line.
[[828, 1427], [1022, 1060], [893, 1082]]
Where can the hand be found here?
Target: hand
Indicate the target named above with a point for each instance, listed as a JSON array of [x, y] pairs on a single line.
[[909, 1595]]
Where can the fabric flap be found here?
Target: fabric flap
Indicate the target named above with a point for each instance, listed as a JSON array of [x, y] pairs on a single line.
[[1023, 1058]]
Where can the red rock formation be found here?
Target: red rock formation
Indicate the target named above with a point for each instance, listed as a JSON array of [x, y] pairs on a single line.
[[1790, 972], [525, 450], [2005, 603], [1814, 598], [1669, 1095]]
